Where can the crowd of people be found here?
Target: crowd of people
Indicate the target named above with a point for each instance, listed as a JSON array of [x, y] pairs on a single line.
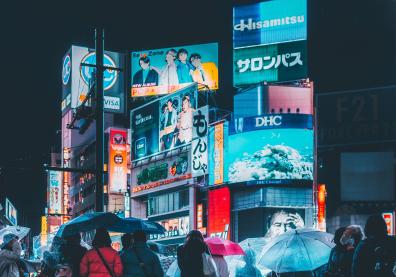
[[357, 253]]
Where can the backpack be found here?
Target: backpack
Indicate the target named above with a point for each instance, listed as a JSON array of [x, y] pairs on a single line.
[[384, 261]]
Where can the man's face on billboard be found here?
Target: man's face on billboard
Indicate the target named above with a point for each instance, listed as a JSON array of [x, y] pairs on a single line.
[[169, 105], [283, 222], [170, 57], [196, 62], [183, 57], [144, 65], [186, 105]]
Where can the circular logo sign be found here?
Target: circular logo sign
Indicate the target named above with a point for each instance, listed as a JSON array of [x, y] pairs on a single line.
[[66, 70], [109, 75]]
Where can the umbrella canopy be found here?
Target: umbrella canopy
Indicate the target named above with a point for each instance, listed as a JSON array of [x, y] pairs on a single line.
[[19, 231], [173, 270], [297, 250], [88, 222], [132, 224], [223, 247]]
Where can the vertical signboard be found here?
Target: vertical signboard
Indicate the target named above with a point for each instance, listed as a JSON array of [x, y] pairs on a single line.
[[219, 212], [55, 195], [390, 223], [44, 230], [219, 154], [66, 81], [199, 146], [118, 164], [322, 207], [10, 212]]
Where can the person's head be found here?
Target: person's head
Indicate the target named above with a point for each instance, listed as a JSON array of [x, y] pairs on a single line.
[[195, 60], [101, 238], [284, 221], [169, 104], [182, 55], [64, 270], [8, 241], [139, 236], [194, 235], [144, 62], [170, 56], [186, 103], [73, 239], [126, 241], [338, 234], [375, 226], [352, 236]]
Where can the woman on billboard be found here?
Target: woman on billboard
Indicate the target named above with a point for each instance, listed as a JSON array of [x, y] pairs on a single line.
[[184, 122], [146, 76]]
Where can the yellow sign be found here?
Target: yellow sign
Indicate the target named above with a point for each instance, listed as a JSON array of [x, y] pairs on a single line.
[[219, 154]]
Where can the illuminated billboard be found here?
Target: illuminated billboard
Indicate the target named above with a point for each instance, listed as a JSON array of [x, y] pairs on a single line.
[[163, 71], [174, 227], [118, 164], [270, 63], [219, 213], [270, 22], [77, 79], [55, 196], [10, 212], [163, 124]]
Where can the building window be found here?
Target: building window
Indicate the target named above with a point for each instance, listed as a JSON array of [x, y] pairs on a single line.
[[169, 202]]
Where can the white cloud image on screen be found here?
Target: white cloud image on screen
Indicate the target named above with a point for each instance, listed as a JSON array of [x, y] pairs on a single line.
[[271, 155]]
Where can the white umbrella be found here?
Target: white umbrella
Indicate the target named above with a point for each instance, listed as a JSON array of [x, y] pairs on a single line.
[[297, 250], [19, 231]]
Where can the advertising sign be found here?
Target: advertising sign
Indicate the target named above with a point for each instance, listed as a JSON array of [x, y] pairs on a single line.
[[322, 207], [44, 230], [270, 22], [270, 63], [164, 172], [10, 212], [55, 196], [280, 221], [82, 77], [272, 156], [219, 212], [163, 71], [163, 124], [66, 81], [218, 154], [199, 146], [174, 227], [118, 164], [390, 223]]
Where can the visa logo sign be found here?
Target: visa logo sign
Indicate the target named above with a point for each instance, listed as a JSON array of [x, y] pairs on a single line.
[[112, 103]]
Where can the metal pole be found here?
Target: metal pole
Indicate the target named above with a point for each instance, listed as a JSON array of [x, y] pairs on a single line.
[[99, 45]]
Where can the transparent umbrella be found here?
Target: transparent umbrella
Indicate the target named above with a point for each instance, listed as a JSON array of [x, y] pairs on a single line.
[[19, 231], [173, 270], [297, 250]]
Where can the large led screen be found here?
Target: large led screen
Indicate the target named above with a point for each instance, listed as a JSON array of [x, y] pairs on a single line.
[[270, 22], [270, 63], [166, 70], [163, 124]]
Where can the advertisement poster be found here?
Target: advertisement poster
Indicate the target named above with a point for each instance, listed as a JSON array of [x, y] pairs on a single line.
[[174, 227], [218, 144], [163, 124], [270, 22], [270, 156], [163, 71], [390, 221], [66, 81], [82, 78], [118, 164], [55, 192], [282, 220], [270, 63], [199, 146], [10, 212], [219, 213]]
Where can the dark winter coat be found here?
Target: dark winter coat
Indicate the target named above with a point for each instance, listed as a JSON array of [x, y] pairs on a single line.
[[364, 259], [73, 254], [189, 258], [340, 260]]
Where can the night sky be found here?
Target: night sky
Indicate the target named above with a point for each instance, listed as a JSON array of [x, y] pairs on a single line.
[[351, 45]]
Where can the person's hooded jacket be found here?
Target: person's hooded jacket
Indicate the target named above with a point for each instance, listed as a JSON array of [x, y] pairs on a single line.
[[9, 260], [148, 266]]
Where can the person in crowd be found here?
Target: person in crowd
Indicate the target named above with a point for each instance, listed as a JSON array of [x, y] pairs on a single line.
[[222, 266], [72, 253], [65, 270], [168, 75], [170, 122], [184, 122], [340, 261], [189, 255], [102, 260], [203, 73], [9, 256], [375, 255], [146, 76], [249, 269], [139, 260], [183, 68], [126, 241]]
